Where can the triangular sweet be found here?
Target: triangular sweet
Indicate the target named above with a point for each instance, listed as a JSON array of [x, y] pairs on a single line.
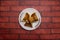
[[28, 24], [34, 16], [26, 17]]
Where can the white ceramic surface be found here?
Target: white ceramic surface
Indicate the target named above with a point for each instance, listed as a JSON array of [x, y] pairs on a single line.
[[30, 11]]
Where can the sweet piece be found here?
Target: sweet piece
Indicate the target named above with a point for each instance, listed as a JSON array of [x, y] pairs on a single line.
[[26, 17], [31, 19], [34, 16], [28, 24]]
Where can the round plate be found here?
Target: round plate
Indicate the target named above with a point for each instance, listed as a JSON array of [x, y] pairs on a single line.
[[30, 11]]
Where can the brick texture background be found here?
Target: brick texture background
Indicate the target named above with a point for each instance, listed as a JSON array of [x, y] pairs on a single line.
[[11, 30]]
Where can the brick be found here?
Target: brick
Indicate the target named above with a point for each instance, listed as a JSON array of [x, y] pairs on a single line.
[[1, 38], [19, 26], [19, 31], [4, 31], [14, 31], [7, 0], [46, 14], [49, 3], [55, 19], [8, 3], [33, 36], [45, 25], [4, 8], [3, 25], [42, 8], [9, 14], [50, 14], [9, 36], [49, 25], [41, 31], [22, 31], [8, 25], [55, 8], [46, 19], [13, 25], [55, 30], [55, 13], [29, 3], [28, 37], [4, 19], [52, 36], [24, 36], [18, 8], [55, 25], [45, 37], [13, 19]]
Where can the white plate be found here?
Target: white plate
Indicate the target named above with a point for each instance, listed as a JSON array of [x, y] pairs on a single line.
[[30, 11]]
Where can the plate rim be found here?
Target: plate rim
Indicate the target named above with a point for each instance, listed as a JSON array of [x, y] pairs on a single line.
[[21, 13]]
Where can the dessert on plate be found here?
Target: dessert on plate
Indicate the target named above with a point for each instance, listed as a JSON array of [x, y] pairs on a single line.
[[29, 19]]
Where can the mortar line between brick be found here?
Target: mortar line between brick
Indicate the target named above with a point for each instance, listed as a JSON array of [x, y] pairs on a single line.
[[41, 11], [26, 34], [51, 20], [39, 36], [42, 22], [30, 0], [30, 5], [23, 29], [9, 26], [18, 37], [9, 19]]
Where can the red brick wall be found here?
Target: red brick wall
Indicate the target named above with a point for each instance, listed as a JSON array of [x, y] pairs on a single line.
[[10, 28]]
